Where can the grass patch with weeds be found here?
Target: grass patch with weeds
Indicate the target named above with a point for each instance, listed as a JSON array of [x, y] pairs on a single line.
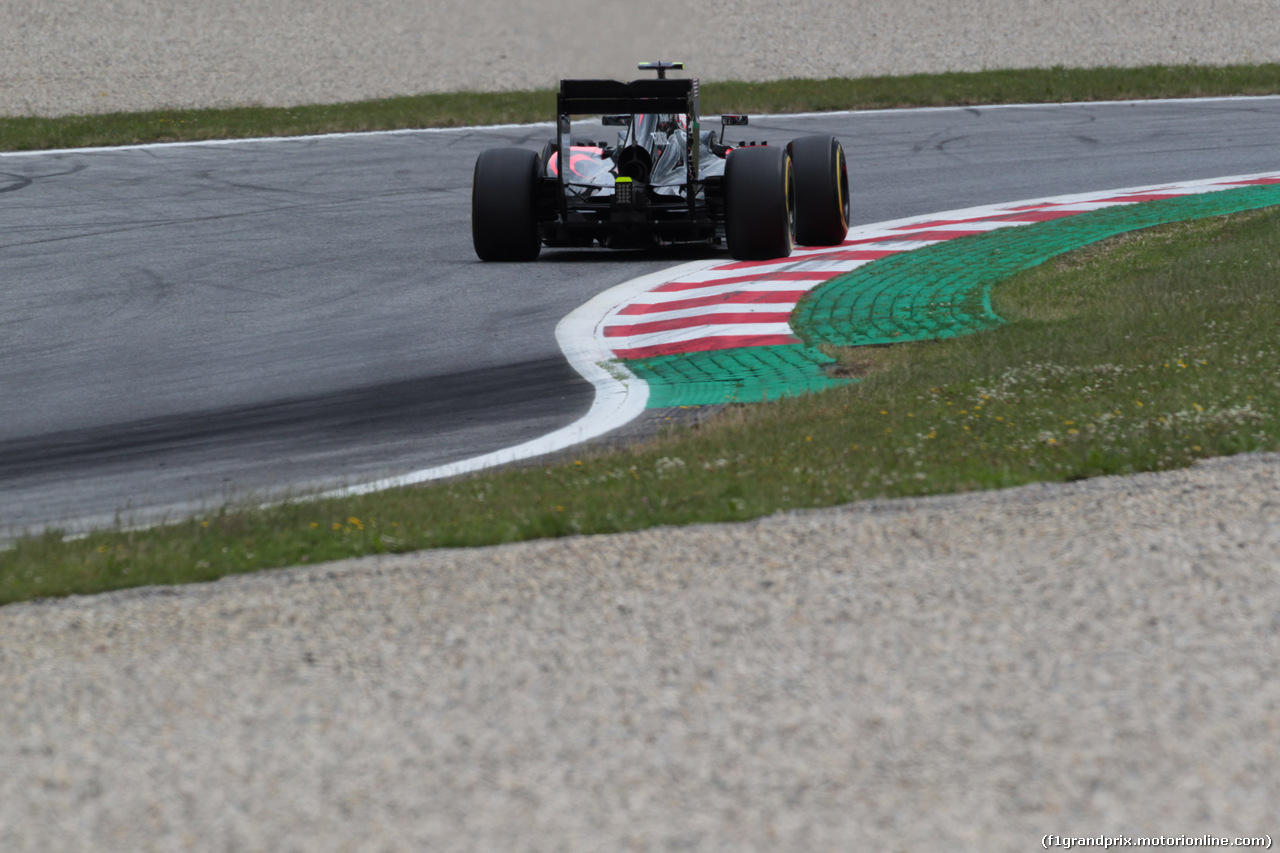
[[1141, 354], [1051, 85]]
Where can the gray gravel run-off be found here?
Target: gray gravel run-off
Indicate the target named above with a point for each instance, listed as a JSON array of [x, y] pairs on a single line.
[[939, 674], [78, 56]]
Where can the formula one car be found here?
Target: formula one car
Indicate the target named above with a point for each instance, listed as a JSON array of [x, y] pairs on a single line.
[[664, 180]]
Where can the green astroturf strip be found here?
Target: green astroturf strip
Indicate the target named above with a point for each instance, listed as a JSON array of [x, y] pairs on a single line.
[[747, 375], [936, 292], [943, 290]]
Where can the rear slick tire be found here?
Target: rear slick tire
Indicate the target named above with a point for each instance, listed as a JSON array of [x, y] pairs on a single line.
[[504, 205], [822, 190], [759, 203]]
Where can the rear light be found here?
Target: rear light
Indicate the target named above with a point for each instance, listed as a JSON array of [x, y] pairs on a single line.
[[623, 192]]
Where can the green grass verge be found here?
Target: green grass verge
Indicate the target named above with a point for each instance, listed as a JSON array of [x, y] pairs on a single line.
[[782, 96], [1143, 353]]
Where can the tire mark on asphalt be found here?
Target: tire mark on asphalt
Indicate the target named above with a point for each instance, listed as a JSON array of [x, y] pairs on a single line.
[[452, 401]]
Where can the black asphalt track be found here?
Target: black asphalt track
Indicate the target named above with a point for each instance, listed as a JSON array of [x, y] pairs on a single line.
[[185, 325]]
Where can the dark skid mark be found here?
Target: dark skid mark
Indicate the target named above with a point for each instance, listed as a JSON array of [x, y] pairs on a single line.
[[932, 143], [21, 182], [209, 177], [154, 285], [391, 411]]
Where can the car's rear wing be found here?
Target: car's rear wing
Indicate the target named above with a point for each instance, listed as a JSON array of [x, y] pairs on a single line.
[[639, 97], [586, 97]]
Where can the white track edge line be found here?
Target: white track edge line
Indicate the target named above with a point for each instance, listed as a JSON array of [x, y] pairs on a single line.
[[483, 127]]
